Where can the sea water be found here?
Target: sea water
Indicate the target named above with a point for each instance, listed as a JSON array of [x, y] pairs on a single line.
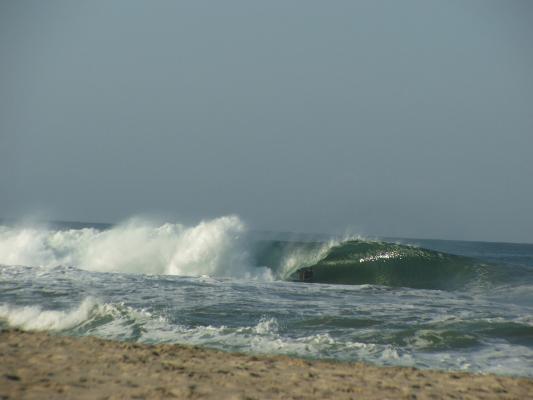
[[448, 305]]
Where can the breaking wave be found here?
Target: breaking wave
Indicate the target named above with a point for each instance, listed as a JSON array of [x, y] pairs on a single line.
[[359, 262], [213, 248], [222, 247], [34, 318]]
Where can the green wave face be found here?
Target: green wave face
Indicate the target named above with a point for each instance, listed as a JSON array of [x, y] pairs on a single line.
[[358, 262]]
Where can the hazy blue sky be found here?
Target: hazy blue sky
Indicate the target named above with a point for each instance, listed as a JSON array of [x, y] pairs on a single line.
[[398, 118]]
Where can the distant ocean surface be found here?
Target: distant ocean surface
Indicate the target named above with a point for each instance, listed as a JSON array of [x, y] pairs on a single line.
[[449, 305]]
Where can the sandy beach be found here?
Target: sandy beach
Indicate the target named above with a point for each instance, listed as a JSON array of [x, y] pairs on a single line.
[[41, 366]]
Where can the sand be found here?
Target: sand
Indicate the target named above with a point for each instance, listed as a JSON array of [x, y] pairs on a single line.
[[42, 366]]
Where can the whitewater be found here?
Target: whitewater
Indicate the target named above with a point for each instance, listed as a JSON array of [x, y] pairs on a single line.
[[446, 305]]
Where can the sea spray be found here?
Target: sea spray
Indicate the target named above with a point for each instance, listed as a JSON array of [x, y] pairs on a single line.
[[213, 248]]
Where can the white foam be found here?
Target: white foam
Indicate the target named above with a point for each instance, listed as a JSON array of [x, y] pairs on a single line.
[[128, 323], [36, 319], [265, 337], [211, 248]]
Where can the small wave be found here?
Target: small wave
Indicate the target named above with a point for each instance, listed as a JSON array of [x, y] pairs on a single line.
[[91, 317], [34, 318], [267, 337]]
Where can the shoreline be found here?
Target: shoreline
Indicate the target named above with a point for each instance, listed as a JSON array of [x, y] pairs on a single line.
[[37, 365]]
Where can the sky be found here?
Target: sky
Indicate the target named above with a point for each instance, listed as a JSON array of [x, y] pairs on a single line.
[[409, 119]]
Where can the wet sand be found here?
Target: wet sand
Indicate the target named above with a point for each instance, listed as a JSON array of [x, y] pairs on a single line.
[[40, 366]]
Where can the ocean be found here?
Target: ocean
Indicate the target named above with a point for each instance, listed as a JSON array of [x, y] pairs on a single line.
[[446, 305]]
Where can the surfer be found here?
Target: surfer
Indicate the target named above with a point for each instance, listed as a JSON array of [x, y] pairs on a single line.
[[305, 274]]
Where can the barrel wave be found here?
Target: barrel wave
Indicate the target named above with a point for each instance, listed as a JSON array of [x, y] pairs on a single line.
[[359, 262], [224, 248]]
